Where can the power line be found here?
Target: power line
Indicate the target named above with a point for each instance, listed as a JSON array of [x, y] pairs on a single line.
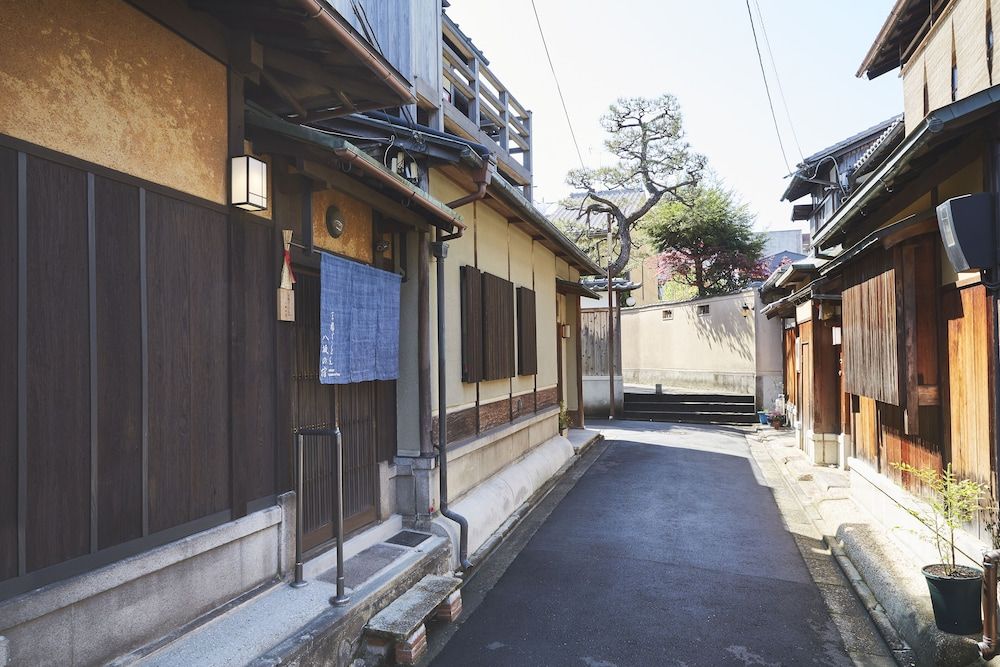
[[558, 87], [767, 89], [777, 78]]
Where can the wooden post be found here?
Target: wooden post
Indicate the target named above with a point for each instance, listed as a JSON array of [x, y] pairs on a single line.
[[424, 343], [505, 117], [611, 331], [474, 102]]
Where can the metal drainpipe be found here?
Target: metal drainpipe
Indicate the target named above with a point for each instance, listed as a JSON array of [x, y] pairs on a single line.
[[440, 252], [988, 647]]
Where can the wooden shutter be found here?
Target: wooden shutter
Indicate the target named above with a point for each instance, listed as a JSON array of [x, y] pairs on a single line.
[[870, 333], [498, 327], [527, 342], [472, 324]]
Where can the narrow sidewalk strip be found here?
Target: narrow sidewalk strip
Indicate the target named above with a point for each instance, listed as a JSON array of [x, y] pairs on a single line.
[[862, 622]]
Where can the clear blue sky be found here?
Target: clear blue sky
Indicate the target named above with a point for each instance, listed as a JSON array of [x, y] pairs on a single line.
[[702, 52]]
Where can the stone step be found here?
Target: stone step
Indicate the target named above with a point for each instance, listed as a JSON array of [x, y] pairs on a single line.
[[400, 626], [692, 417], [691, 398]]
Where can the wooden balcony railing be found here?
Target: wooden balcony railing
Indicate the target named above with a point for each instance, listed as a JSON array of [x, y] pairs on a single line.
[[480, 108]]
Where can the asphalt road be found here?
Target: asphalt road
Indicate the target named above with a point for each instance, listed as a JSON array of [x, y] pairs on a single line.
[[665, 551]]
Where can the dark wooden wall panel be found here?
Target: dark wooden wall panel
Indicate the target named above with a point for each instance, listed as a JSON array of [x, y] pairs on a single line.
[[208, 294], [169, 346], [8, 363], [385, 398], [253, 314], [968, 332], [58, 358], [790, 372], [188, 362], [119, 362]]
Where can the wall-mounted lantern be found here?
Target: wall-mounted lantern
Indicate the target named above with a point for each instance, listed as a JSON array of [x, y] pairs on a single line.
[[249, 183]]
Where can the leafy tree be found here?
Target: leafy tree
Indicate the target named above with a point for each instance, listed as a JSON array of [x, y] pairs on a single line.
[[646, 138], [707, 241]]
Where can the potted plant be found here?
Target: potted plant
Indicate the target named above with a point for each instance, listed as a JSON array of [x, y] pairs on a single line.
[[776, 419], [955, 590]]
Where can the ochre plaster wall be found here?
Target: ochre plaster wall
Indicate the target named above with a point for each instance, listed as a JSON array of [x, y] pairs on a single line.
[[722, 341], [356, 240], [104, 83], [545, 319], [493, 256], [461, 251], [522, 275]]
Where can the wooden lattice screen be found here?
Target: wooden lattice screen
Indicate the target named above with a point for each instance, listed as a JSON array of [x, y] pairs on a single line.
[[472, 324], [527, 341], [498, 321]]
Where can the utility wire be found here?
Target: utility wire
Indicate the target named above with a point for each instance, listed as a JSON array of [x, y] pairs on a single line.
[[558, 87], [767, 88], [777, 78]]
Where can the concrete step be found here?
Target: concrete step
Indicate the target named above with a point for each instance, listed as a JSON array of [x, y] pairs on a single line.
[[652, 406], [692, 417], [400, 626], [691, 398]]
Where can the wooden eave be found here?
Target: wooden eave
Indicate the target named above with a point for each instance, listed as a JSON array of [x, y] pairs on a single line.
[[908, 23], [299, 69]]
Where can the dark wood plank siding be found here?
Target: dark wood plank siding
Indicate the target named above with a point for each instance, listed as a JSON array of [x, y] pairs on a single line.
[[385, 398], [188, 362], [870, 333], [8, 363], [498, 328], [253, 321], [790, 372], [58, 361], [357, 424], [472, 323], [527, 341], [119, 362]]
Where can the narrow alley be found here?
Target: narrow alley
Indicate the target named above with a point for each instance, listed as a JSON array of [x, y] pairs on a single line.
[[666, 550]]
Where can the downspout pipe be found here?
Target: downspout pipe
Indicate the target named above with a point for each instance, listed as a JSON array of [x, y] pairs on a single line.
[[440, 252], [988, 647], [482, 179]]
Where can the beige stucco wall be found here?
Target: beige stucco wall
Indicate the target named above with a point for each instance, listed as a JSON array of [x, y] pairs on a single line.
[[545, 301], [962, 28], [522, 274], [493, 256], [461, 251], [723, 340], [103, 82], [494, 245]]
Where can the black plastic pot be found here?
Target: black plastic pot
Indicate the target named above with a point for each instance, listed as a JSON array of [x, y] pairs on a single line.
[[957, 600]]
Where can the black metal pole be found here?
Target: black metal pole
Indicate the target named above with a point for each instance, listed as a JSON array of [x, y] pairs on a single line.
[[299, 444], [338, 446], [440, 252]]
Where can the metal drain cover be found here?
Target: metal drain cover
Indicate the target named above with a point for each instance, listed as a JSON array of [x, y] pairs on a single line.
[[408, 538]]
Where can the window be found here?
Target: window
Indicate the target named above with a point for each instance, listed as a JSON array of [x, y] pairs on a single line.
[[667, 315], [703, 309], [527, 342]]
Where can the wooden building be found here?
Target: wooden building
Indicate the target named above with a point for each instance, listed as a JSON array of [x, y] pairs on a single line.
[[151, 388], [917, 345]]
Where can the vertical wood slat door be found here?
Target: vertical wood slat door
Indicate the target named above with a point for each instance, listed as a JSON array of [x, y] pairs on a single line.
[[314, 406]]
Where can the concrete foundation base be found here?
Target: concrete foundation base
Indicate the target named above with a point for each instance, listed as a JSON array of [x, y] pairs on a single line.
[[822, 448], [488, 505]]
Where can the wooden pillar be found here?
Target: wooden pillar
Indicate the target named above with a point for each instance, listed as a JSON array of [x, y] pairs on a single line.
[[424, 343]]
